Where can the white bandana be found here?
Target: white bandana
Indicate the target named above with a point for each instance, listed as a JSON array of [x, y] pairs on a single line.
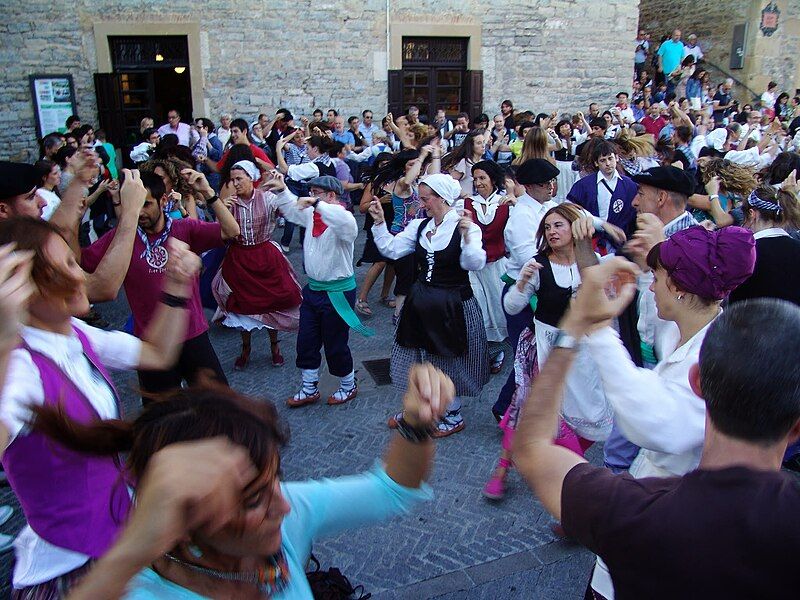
[[249, 168]]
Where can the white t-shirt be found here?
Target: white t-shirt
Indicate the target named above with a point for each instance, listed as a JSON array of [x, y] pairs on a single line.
[[38, 561], [52, 200]]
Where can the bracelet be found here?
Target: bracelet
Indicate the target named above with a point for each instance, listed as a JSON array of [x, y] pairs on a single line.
[[713, 197], [211, 200], [415, 435], [174, 301]]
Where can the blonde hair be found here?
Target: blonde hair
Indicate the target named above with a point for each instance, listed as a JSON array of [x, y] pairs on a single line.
[[635, 146], [534, 146]]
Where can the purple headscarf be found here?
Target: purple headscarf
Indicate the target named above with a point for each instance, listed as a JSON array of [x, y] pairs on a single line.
[[709, 264]]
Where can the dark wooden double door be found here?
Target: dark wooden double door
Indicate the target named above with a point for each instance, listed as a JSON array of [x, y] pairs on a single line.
[[151, 76], [435, 76]]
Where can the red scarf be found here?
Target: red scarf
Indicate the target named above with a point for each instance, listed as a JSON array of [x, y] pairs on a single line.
[[319, 224]]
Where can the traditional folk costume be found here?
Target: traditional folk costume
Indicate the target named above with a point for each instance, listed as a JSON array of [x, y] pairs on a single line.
[[441, 321], [585, 408], [326, 313], [256, 286], [520, 242], [491, 217], [74, 504]]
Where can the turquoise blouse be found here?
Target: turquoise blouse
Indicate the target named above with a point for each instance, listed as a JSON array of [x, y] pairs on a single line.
[[319, 509]]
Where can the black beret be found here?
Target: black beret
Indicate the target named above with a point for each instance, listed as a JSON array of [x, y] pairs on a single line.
[[16, 179], [671, 179], [536, 170]]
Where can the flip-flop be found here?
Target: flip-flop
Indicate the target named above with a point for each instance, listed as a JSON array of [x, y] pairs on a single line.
[[389, 301], [6, 542]]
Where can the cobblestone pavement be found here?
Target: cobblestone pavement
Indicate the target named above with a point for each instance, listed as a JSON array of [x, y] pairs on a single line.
[[459, 545]]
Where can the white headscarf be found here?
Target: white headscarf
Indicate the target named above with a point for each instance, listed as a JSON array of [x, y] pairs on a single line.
[[248, 167], [444, 185]]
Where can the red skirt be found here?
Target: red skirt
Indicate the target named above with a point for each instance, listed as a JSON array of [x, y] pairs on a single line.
[[261, 280]]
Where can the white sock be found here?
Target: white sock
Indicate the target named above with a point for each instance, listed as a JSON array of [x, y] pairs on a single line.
[[310, 380], [348, 382], [455, 405]]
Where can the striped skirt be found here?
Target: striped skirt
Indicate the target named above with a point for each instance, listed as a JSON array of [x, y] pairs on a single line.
[[469, 372]]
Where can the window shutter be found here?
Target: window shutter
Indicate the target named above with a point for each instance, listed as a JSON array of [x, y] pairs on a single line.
[[395, 92], [474, 95]]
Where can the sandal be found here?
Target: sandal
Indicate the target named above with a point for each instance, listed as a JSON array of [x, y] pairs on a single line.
[[362, 306], [389, 301]]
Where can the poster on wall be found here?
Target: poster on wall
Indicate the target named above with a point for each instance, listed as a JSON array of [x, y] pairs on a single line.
[[53, 101]]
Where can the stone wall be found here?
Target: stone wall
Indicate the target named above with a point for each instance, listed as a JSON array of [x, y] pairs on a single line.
[[766, 58], [257, 55]]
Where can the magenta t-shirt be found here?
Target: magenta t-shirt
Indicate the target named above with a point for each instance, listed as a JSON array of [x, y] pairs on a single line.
[[144, 281]]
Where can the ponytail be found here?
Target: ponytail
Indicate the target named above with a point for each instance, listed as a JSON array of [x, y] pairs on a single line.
[[101, 438], [790, 208]]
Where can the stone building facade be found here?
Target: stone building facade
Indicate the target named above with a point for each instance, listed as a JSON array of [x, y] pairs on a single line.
[[252, 56], [766, 57]]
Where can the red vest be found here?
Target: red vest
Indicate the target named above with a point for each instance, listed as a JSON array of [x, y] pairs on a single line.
[[493, 241]]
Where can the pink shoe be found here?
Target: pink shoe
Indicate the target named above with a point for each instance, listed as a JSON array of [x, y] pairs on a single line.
[[495, 488]]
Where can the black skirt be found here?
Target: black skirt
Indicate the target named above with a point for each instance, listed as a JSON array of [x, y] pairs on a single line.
[[433, 320]]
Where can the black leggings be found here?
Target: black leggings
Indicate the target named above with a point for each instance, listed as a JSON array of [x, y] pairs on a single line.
[[197, 358]]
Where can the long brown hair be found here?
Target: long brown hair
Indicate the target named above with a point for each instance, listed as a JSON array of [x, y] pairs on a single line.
[[571, 212], [29, 233], [789, 214], [182, 415], [734, 179]]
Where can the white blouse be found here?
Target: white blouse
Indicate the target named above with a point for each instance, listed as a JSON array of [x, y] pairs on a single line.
[[655, 409], [473, 256], [38, 561]]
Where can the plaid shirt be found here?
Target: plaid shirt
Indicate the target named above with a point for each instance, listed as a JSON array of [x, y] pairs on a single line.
[[295, 155]]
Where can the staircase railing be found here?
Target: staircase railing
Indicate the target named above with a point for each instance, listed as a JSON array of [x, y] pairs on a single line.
[[737, 81]]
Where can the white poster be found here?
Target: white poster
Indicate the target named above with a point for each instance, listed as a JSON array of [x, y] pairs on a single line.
[[53, 101]]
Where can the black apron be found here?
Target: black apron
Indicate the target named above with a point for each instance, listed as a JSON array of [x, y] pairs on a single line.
[[433, 313]]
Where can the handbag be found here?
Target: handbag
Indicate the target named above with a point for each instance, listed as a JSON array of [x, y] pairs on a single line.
[[332, 585]]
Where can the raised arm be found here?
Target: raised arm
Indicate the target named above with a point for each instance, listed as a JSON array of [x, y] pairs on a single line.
[[16, 287], [163, 339], [103, 284], [473, 256], [199, 183], [392, 247]]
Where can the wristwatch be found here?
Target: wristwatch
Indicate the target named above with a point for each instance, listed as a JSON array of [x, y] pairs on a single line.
[[565, 341], [415, 435]]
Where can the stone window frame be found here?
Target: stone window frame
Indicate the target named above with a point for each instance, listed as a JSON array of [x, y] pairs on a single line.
[[397, 31], [191, 30]]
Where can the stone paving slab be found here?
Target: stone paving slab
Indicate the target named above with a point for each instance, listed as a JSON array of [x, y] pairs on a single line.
[[457, 546]]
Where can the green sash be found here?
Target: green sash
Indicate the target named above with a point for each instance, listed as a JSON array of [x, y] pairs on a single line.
[[336, 290], [506, 278], [648, 353]]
